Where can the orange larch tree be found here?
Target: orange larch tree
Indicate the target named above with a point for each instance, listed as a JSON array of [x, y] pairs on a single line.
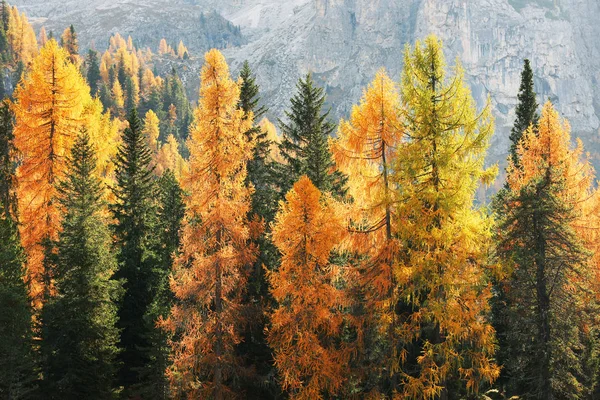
[[49, 110], [210, 275], [365, 150], [306, 325]]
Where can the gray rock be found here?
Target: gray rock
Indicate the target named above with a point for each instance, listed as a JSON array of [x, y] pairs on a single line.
[[344, 42]]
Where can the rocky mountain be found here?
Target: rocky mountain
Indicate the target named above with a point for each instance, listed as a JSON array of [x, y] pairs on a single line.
[[344, 42]]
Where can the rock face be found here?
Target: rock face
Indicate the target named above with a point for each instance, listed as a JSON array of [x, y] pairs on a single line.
[[344, 42]]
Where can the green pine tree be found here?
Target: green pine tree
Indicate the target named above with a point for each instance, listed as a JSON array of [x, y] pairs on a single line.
[[17, 368], [254, 347], [135, 230], [171, 209], [93, 71], [79, 336], [174, 93], [304, 146], [526, 111]]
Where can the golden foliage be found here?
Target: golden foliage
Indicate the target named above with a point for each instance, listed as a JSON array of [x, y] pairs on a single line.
[[49, 108], [210, 275], [309, 318]]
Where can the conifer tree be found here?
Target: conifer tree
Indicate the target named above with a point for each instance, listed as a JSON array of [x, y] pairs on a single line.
[[70, 43], [541, 241], [171, 210], [93, 71], [79, 336], [134, 211], [307, 323], [17, 368], [366, 150], [264, 202], [211, 273], [304, 145], [447, 344], [49, 109], [526, 111]]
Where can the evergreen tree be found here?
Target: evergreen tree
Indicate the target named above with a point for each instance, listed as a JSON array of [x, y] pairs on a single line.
[[304, 146], [80, 336], [7, 164], [171, 210], [526, 111], [135, 213], [16, 339], [93, 71], [263, 206], [174, 96], [549, 349]]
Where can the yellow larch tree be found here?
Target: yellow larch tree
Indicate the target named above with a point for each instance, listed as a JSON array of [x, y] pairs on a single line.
[[71, 44], [163, 47], [42, 37], [275, 140], [365, 150], [182, 50], [117, 92], [442, 267], [21, 36], [210, 275], [305, 327], [169, 158], [152, 130], [49, 107]]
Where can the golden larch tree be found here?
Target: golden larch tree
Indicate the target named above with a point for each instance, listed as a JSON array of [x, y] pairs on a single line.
[[21, 36], [151, 130], [169, 158], [366, 150], [49, 109], [441, 268], [306, 325], [211, 273]]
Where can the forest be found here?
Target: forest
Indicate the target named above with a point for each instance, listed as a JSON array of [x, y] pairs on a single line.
[[153, 247]]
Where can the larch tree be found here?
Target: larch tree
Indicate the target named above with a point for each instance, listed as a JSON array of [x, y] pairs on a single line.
[[304, 144], [70, 43], [49, 110], [80, 335], [543, 224], [152, 131], [134, 211], [447, 343], [365, 150], [211, 273], [306, 325], [17, 368]]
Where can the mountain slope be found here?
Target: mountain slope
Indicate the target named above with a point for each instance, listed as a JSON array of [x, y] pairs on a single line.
[[344, 42]]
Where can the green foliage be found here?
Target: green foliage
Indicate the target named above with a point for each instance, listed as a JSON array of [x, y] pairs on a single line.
[[526, 111], [93, 71], [260, 169], [304, 146], [171, 209], [17, 367], [79, 336], [135, 213]]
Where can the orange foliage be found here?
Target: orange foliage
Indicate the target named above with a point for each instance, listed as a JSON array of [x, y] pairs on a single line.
[[210, 275], [305, 327], [49, 108]]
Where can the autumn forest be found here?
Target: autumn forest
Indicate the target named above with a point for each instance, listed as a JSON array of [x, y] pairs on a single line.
[[154, 247]]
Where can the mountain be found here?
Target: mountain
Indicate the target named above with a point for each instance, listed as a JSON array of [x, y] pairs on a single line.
[[344, 42]]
